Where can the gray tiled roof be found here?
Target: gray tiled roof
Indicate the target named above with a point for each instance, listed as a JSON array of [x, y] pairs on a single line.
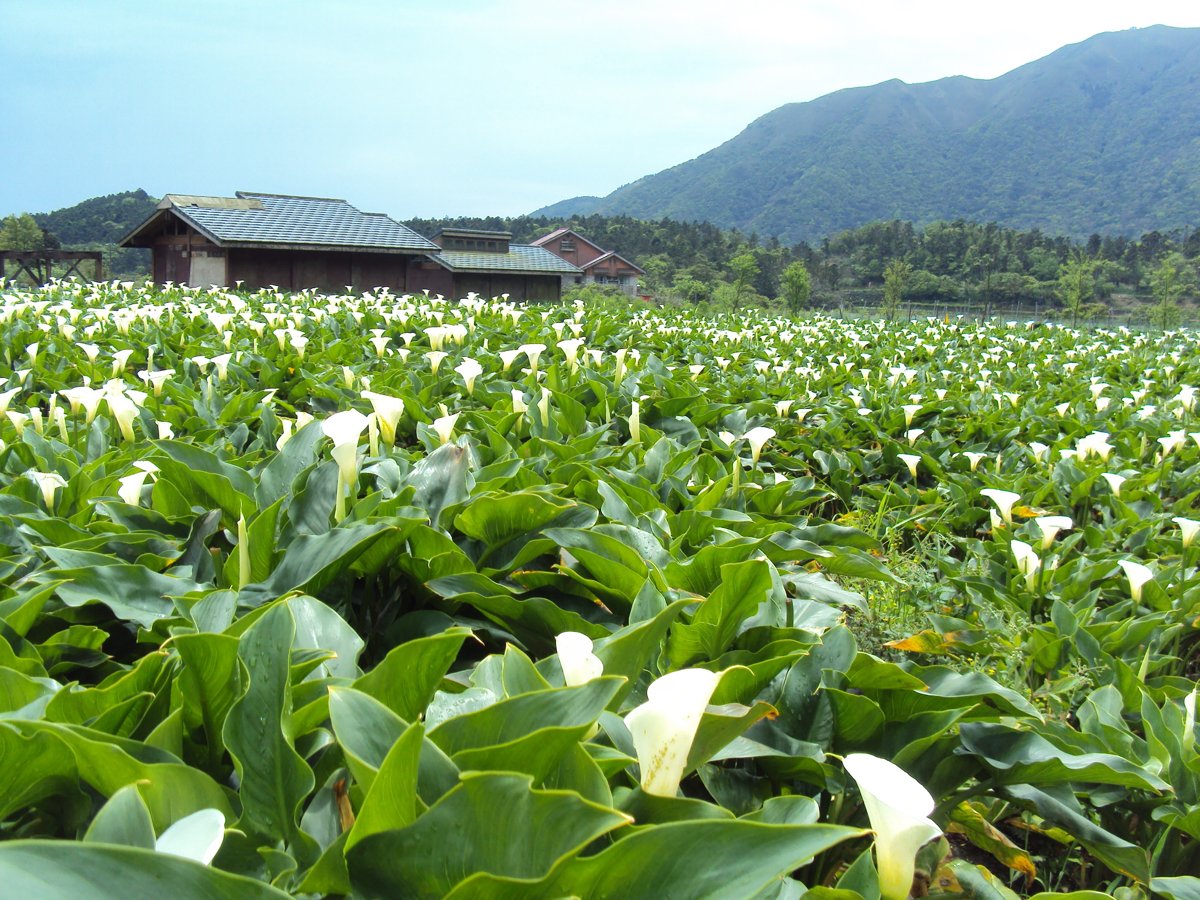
[[300, 222], [519, 258]]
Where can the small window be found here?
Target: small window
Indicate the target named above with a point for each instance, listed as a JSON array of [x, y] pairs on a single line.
[[566, 245]]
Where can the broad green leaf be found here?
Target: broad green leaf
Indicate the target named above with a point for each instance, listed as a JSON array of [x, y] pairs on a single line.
[[743, 588], [207, 481], [500, 826], [1018, 757], [407, 678], [208, 683], [124, 819], [392, 801], [133, 593], [69, 869], [517, 717], [275, 779], [1115, 852], [366, 730], [717, 858], [1178, 887], [312, 561]]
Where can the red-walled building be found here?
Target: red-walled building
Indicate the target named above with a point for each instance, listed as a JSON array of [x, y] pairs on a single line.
[[597, 265]]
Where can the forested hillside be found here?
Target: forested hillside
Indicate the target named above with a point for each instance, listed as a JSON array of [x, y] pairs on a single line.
[[97, 224], [1099, 136]]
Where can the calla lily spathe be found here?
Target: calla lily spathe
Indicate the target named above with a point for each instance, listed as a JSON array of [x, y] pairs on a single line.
[[196, 837], [664, 727], [1137, 575], [388, 411], [344, 429], [1188, 529], [579, 664], [898, 807], [758, 437], [1004, 501], [1050, 526]]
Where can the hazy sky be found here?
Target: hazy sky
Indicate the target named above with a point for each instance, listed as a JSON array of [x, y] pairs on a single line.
[[459, 107]]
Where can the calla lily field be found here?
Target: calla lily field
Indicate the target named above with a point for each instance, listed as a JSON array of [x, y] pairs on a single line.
[[378, 595]]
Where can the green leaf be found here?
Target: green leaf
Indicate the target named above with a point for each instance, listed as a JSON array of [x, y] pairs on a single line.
[[717, 621], [132, 592], [1117, 853], [124, 819], [442, 479], [208, 683], [366, 729], [206, 481], [411, 673], [517, 717], [496, 518], [274, 778], [619, 570], [1179, 887], [392, 802], [66, 869], [717, 858], [1018, 757], [313, 561], [495, 824]]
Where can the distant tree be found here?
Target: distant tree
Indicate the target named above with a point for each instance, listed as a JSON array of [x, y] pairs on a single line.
[[1077, 287], [895, 280], [795, 286], [21, 233], [1168, 282], [744, 268], [691, 289]]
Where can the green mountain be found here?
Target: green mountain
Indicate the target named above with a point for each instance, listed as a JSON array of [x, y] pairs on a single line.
[[100, 220], [1099, 136]]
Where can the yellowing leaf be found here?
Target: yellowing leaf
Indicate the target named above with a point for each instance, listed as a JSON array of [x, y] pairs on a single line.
[[926, 641], [967, 819]]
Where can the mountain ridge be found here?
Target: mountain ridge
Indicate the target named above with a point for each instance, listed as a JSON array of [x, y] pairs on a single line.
[[1098, 136]]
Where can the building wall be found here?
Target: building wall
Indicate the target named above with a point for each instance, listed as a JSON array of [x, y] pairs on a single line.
[[429, 276], [518, 287], [615, 273], [294, 270], [583, 253]]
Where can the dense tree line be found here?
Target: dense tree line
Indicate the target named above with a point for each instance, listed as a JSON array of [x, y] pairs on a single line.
[[947, 262]]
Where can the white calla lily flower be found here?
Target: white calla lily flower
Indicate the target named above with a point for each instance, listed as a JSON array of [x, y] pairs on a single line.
[[1050, 526], [48, 483], [1137, 575], [898, 807], [388, 411], [1114, 482], [344, 429], [469, 369], [911, 460], [197, 836], [758, 438], [1027, 561], [579, 664], [444, 427], [1188, 529], [664, 727], [1004, 501]]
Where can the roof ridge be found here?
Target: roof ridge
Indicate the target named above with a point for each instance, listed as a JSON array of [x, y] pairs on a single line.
[[256, 194]]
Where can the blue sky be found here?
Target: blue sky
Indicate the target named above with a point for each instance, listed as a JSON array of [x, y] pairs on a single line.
[[465, 107]]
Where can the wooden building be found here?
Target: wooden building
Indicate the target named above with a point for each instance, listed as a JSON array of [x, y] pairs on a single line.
[[596, 265], [262, 240], [489, 264], [259, 240]]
